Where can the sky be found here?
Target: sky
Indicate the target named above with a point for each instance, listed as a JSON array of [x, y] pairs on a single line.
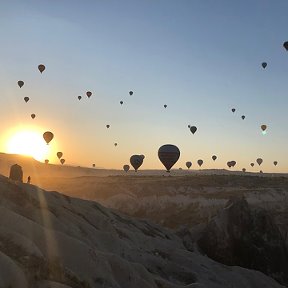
[[200, 58]]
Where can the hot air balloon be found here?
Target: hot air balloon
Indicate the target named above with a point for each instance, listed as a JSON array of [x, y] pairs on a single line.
[[243, 117], [261, 171], [285, 45], [200, 162], [136, 161], [26, 99], [263, 127], [188, 164], [48, 136], [107, 126], [244, 170], [41, 68], [264, 65], [115, 144], [46, 161], [20, 83], [229, 164], [214, 157], [233, 163], [93, 165], [189, 126], [259, 161], [168, 155], [121, 102], [62, 161], [165, 106], [252, 164], [88, 93], [59, 155], [233, 110], [275, 163], [79, 97], [126, 168], [130, 93], [33, 116], [193, 129]]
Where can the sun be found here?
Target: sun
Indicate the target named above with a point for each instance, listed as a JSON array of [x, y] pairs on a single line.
[[28, 143]]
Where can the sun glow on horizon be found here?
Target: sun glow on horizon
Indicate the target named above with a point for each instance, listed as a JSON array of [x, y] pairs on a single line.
[[28, 143]]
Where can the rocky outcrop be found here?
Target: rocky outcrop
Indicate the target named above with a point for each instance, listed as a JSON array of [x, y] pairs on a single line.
[[246, 237], [16, 173]]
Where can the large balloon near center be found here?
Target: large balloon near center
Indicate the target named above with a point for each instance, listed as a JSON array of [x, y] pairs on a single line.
[[168, 154], [136, 161], [48, 136]]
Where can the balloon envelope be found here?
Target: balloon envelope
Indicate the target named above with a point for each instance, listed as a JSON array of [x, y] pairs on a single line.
[[130, 93], [62, 161], [252, 164], [193, 129], [168, 155], [121, 102], [59, 155], [26, 99], [79, 97], [188, 164], [48, 136], [259, 161], [200, 162], [107, 126], [88, 93], [275, 163], [263, 127], [165, 106], [41, 68], [243, 169], [233, 110], [243, 117], [264, 65], [126, 168], [46, 161], [214, 157], [285, 45], [33, 116], [136, 161], [20, 83]]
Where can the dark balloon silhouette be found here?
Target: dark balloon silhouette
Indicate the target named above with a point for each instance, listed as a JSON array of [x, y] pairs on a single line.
[[193, 129], [189, 126], [285, 45], [115, 144], [121, 102], [264, 65], [130, 93], [244, 170], [33, 116], [275, 163], [214, 157], [48, 136], [168, 155], [136, 161], [243, 117], [93, 165], [46, 161], [126, 168], [263, 127], [200, 162], [41, 68], [259, 161], [59, 155], [26, 99], [165, 106], [188, 164], [79, 97], [89, 94], [20, 83], [107, 126], [233, 110], [252, 164], [62, 161]]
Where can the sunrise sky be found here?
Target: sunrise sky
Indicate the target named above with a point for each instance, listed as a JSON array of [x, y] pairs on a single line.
[[200, 58]]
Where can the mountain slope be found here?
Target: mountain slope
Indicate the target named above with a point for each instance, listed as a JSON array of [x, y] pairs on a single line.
[[51, 240]]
